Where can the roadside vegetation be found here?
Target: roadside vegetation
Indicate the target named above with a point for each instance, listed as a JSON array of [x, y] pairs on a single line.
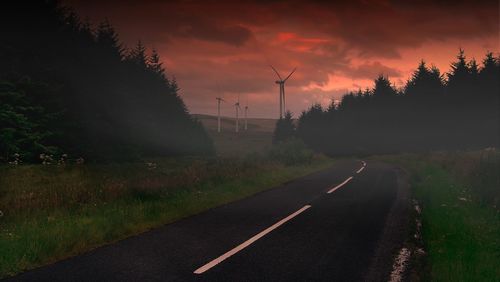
[[459, 195], [49, 212]]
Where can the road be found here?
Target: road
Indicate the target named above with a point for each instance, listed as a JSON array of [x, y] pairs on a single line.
[[340, 224]]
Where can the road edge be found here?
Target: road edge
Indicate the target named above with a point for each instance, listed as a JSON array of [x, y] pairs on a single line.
[[395, 233]]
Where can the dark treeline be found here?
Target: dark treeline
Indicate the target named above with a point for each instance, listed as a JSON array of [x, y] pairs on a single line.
[[429, 113], [66, 87]]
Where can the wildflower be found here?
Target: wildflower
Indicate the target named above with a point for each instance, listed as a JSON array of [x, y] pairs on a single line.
[[62, 159], [417, 209], [151, 165], [46, 159], [16, 160]]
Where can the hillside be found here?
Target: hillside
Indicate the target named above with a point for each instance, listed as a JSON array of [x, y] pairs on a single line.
[[228, 143]]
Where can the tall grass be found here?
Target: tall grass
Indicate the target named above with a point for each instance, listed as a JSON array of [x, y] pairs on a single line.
[[51, 212], [485, 179], [459, 195]]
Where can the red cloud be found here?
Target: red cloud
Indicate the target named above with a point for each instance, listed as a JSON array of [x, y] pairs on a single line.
[[339, 45]]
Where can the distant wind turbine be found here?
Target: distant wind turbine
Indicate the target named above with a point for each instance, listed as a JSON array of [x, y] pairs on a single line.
[[281, 83], [219, 100], [246, 110], [237, 106]]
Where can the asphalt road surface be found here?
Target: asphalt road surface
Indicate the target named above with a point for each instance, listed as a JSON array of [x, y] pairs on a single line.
[[341, 224]]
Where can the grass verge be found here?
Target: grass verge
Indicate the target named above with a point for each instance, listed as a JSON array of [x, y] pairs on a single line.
[[458, 193], [52, 212]]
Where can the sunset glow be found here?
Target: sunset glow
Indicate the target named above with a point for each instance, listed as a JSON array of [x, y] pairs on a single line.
[[225, 48]]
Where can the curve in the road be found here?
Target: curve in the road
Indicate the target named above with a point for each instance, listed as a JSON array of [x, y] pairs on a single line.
[[261, 234], [298, 232]]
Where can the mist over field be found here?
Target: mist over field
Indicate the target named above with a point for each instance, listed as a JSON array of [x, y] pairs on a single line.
[[249, 141]]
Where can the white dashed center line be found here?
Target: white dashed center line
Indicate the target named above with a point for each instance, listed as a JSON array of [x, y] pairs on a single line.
[[340, 185], [256, 237], [249, 241], [360, 170]]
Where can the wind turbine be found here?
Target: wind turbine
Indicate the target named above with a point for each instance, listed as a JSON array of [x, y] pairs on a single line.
[[246, 110], [219, 100], [237, 106], [281, 83]]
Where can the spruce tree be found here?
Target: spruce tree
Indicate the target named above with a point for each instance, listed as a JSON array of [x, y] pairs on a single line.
[[107, 39], [383, 88], [138, 55], [285, 129], [156, 66]]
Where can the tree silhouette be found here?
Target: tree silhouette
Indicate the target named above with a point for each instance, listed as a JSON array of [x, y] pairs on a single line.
[[429, 113], [424, 84], [285, 128], [111, 103], [138, 55], [107, 39], [156, 66], [383, 88]]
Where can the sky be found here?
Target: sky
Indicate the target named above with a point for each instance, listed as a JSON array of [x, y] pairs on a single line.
[[225, 48]]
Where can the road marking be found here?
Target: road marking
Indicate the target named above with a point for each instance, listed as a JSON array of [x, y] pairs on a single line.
[[249, 241], [340, 185], [360, 170]]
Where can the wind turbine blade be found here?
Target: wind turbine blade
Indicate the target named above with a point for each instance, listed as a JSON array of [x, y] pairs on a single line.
[[276, 72], [290, 74]]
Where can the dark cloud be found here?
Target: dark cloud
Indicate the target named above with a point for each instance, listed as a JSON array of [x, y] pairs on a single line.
[[336, 45], [371, 70], [234, 35], [165, 20], [373, 27]]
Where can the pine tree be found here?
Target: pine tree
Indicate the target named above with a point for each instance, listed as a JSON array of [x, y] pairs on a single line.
[[285, 129], [155, 65], [425, 84], [489, 73], [174, 86], [489, 81], [383, 88], [459, 73], [107, 38], [138, 55]]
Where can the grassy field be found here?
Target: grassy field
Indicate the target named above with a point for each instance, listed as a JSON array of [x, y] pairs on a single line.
[[228, 143], [49, 212], [459, 194]]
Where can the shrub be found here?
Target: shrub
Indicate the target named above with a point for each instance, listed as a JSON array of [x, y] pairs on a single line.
[[285, 129], [291, 152]]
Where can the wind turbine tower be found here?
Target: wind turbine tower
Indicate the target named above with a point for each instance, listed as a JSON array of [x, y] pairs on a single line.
[[246, 121], [237, 106], [219, 100], [281, 83]]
